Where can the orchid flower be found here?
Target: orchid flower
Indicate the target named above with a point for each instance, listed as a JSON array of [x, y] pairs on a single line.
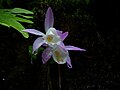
[[53, 39], [59, 53], [52, 35]]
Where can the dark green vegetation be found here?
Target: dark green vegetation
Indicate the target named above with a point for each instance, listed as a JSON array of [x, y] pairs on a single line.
[[93, 26]]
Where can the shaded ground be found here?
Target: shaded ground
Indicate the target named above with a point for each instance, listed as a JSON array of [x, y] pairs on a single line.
[[94, 27]]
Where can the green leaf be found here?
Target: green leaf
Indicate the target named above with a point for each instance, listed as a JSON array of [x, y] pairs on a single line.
[[40, 49], [25, 16], [22, 20], [31, 54], [30, 49], [20, 10], [3, 22], [12, 17], [13, 23], [9, 20]]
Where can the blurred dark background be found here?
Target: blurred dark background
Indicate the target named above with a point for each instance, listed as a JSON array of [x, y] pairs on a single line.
[[93, 26]]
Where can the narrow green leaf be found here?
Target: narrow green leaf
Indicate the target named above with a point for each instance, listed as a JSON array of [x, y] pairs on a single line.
[[18, 27], [9, 20], [33, 57], [41, 49], [12, 17], [22, 20], [20, 10], [25, 16], [30, 49], [3, 22]]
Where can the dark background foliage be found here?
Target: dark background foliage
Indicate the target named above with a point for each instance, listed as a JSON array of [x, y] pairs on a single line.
[[93, 26]]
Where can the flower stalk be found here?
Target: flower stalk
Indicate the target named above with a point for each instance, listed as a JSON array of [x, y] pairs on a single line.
[[49, 78], [59, 77]]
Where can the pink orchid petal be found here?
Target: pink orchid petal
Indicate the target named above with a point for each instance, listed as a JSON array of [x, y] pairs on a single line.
[[37, 43], [49, 19], [69, 62], [69, 47], [46, 55], [33, 31]]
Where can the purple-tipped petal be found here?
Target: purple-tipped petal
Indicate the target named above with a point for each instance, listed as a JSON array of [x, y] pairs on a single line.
[[62, 35], [33, 31], [37, 43], [69, 62], [74, 48], [49, 19], [59, 32], [46, 55], [62, 45]]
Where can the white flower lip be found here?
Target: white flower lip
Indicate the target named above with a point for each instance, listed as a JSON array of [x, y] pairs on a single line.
[[51, 38]]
